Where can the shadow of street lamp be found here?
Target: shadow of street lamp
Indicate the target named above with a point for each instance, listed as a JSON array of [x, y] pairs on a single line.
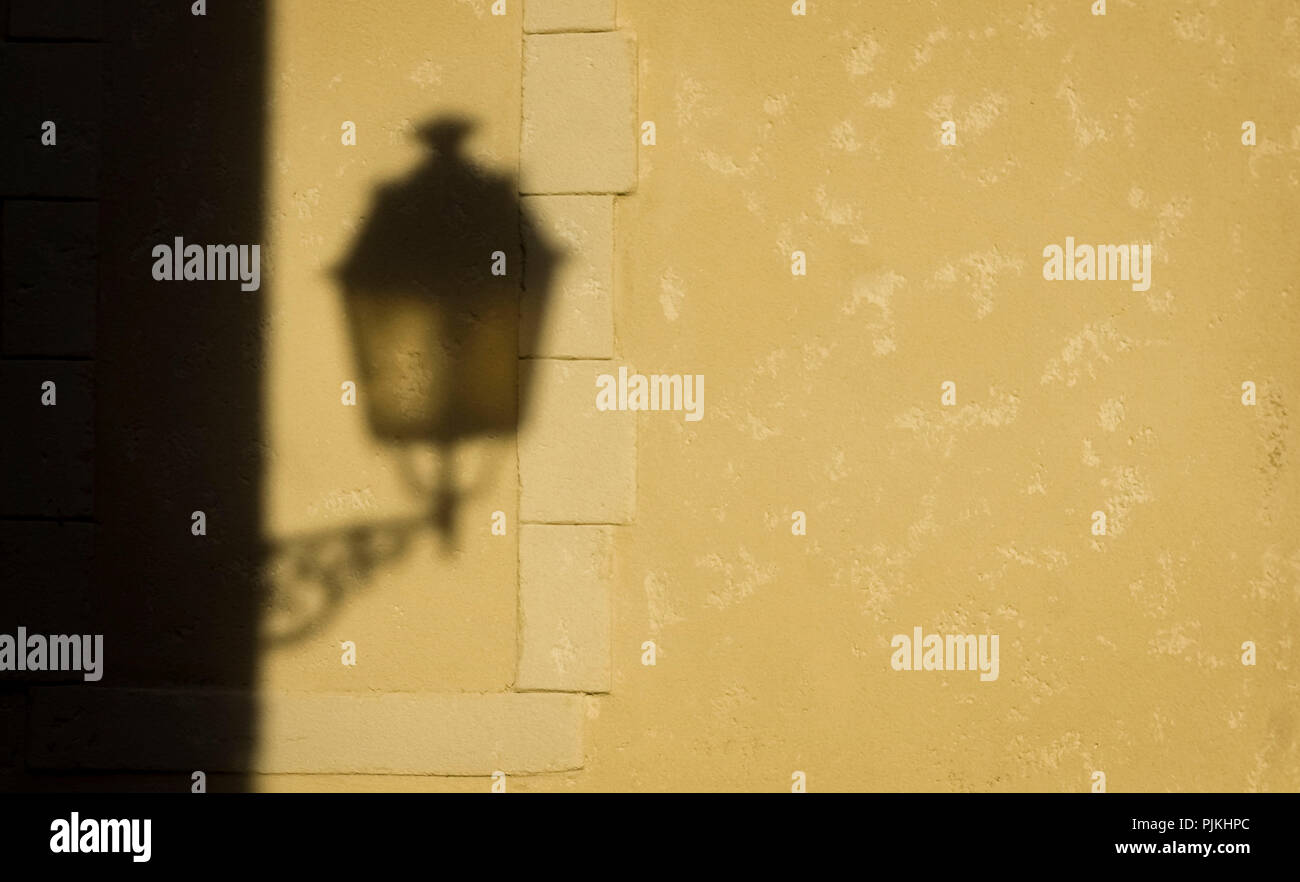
[[431, 289]]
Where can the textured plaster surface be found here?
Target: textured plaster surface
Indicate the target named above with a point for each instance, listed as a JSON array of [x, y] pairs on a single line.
[[776, 133]]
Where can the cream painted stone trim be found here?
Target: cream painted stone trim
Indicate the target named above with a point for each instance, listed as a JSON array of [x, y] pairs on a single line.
[[577, 320], [551, 16], [565, 577], [310, 732], [579, 125], [577, 466]]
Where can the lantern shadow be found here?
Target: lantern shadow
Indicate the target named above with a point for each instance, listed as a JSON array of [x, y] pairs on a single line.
[[431, 288]]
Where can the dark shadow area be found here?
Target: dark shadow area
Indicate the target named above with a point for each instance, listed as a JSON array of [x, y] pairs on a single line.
[[164, 410]]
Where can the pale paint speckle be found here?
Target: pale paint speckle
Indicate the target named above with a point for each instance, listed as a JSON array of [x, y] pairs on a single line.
[[427, 74], [861, 59], [877, 291], [939, 428], [980, 275], [1111, 413], [736, 579], [671, 294]]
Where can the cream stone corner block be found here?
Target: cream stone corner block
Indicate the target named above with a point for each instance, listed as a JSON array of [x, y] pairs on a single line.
[[542, 16], [571, 313], [565, 580], [577, 465], [308, 732], [579, 126]]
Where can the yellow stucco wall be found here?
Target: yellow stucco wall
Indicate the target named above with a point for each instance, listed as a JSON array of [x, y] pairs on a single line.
[[821, 133]]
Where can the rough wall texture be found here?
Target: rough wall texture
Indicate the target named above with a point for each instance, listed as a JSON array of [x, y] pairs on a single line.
[[775, 133], [1119, 653]]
